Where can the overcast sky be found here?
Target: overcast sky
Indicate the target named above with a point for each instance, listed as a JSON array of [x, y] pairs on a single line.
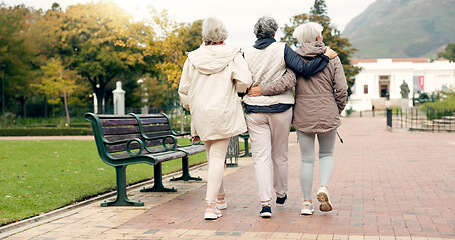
[[239, 16]]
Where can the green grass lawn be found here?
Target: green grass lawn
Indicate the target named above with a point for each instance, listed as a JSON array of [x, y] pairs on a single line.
[[38, 176]]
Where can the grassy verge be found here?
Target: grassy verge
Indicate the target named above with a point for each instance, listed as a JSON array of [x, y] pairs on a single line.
[[38, 176]]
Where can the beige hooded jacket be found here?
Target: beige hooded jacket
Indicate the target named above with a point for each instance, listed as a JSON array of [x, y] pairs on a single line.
[[211, 78], [319, 98]]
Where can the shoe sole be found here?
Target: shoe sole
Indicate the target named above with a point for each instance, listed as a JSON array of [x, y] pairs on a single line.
[[266, 215], [306, 212], [325, 206], [211, 216]]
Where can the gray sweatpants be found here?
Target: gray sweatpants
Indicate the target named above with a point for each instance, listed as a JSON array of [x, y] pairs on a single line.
[[326, 146], [269, 133]]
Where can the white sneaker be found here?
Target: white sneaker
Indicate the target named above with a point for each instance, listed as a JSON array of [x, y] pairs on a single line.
[[221, 202], [212, 213], [323, 198], [307, 208]]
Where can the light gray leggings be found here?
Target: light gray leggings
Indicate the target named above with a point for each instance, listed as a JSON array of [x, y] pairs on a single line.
[[326, 145]]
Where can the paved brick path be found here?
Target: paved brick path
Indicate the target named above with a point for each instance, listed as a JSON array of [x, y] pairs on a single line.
[[385, 185]]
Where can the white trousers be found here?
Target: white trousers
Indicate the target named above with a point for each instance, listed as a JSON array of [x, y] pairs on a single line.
[[216, 155], [269, 133]]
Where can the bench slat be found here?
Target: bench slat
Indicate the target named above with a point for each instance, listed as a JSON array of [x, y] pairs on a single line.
[[120, 130], [118, 122]]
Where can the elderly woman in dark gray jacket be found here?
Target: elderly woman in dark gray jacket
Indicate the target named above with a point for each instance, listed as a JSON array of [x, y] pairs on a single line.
[[319, 100]]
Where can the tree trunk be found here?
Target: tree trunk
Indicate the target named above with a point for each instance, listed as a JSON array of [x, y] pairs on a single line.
[[65, 102], [99, 90], [99, 99], [45, 107], [23, 101]]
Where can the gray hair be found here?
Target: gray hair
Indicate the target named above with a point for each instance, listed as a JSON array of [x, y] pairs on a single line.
[[307, 32], [213, 30], [265, 27]]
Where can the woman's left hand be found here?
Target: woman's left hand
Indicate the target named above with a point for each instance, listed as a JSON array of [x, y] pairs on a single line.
[[195, 139], [254, 92]]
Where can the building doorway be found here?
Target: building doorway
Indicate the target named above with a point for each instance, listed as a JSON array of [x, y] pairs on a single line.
[[384, 86]]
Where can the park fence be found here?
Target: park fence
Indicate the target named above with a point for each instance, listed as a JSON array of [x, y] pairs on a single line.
[[415, 119]]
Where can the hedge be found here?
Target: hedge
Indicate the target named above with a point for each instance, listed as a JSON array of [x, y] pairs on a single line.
[[46, 131]]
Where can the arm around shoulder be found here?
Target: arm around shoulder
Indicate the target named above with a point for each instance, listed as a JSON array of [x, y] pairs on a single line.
[[295, 62], [281, 85]]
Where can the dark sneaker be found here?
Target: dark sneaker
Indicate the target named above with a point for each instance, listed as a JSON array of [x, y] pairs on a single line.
[[281, 200], [266, 211]]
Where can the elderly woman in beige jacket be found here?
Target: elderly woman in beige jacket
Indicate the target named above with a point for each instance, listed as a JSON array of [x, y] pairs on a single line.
[[212, 76], [319, 100]]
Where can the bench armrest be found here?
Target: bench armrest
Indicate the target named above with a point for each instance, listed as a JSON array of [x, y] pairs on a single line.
[[163, 141], [101, 141], [128, 145], [163, 138], [181, 134]]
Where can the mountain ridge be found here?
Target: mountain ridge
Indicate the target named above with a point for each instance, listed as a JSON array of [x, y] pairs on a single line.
[[402, 28]]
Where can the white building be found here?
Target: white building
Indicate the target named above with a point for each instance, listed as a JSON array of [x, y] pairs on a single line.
[[380, 78]]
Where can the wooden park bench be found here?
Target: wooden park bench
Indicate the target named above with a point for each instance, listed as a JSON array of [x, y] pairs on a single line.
[[130, 139]]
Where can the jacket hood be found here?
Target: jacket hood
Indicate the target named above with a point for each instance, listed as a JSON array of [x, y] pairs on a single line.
[[212, 59], [311, 49]]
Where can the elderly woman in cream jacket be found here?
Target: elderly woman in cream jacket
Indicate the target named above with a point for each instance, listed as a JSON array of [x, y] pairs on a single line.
[[212, 76]]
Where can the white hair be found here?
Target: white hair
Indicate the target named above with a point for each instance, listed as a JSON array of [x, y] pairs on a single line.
[[307, 32], [213, 30]]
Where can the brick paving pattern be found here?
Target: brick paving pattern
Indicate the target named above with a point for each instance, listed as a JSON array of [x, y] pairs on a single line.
[[385, 185]]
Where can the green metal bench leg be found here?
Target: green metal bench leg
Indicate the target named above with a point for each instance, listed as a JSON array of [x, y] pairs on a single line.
[[247, 147], [122, 199], [186, 172], [158, 181]]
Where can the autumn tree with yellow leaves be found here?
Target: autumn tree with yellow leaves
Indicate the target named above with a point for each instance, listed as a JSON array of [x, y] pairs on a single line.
[[171, 41], [57, 81], [95, 44]]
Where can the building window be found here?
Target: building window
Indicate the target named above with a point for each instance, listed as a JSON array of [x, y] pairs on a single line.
[[365, 89], [384, 82]]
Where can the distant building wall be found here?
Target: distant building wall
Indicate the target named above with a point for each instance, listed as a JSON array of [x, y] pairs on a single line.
[[379, 81]]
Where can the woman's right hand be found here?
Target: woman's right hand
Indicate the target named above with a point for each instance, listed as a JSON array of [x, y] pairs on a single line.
[[254, 92], [330, 53]]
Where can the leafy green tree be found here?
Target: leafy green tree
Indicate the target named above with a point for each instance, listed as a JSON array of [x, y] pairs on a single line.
[[171, 41], [448, 53], [320, 9], [57, 81], [18, 49], [332, 38], [86, 38]]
